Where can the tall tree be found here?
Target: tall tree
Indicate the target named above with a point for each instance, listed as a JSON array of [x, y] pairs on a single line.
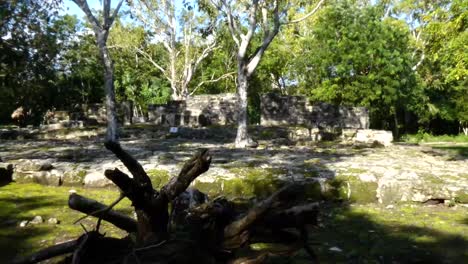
[[355, 56], [101, 31], [30, 35], [444, 72], [247, 20], [187, 33], [137, 81]]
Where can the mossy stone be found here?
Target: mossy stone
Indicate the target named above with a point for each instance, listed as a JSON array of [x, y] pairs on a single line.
[[352, 189], [158, 177]]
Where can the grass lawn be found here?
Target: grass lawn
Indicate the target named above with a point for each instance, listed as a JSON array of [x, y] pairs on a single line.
[[20, 202], [346, 234]]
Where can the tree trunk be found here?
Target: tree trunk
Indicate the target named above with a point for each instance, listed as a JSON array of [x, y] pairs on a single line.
[[242, 138], [175, 93], [396, 130], [109, 87]]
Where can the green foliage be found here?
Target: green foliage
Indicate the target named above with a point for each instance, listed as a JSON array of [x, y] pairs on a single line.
[[404, 60], [30, 36], [354, 57], [444, 72], [426, 137], [136, 79]]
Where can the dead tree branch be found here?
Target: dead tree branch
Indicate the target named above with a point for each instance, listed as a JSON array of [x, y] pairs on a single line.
[[90, 206]]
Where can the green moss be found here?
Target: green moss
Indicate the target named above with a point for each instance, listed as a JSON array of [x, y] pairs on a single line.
[[254, 172], [266, 134], [356, 170], [211, 188], [20, 202], [241, 187], [312, 161], [352, 189], [313, 191], [249, 182], [406, 233], [158, 177], [74, 177], [461, 196], [311, 173]]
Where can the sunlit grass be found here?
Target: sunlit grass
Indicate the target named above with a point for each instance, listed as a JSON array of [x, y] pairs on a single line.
[[426, 138], [20, 202]]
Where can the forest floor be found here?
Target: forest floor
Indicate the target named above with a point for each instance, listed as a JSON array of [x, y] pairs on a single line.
[[352, 229]]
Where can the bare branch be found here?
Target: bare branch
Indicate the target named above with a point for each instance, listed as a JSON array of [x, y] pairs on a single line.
[[50, 252], [235, 32], [237, 227], [319, 4], [95, 208], [212, 80], [106, 13], [267, 39], [194, 167], [150, 59], [139, 174], [92, 19], [415, 67], [116, 11]]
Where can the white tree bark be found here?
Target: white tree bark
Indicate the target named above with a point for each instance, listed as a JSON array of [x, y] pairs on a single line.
[[101, 31], [183, 60], [270, 14]]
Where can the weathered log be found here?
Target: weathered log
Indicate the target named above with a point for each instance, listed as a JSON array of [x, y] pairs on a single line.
[[50, 252], [296, 216], [238, 226], [135, 168], [211, 231], [152, 207], [90, 206], [129, 188], [95, 248], [192, 168]]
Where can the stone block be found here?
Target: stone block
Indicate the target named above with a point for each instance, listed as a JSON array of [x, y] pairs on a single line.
[[370, 136]]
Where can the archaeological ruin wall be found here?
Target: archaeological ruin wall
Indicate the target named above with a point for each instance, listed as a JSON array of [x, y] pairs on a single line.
[[299, 111], [198, 111], [221, 109]]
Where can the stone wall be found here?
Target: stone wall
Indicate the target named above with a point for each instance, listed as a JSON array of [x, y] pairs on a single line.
[[298, 111], [198, 111], [85, 115]]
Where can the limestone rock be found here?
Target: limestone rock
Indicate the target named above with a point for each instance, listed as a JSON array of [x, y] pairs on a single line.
[[96, 179], [37, 220], [74, 177], [34, 165], [370, 136], [53, 221]]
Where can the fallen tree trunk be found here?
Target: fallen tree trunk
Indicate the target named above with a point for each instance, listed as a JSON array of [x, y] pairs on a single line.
[[196, 229], [97, 209], [50, 252]]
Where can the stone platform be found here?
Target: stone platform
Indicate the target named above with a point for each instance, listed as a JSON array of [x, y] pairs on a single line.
[[355, 172]]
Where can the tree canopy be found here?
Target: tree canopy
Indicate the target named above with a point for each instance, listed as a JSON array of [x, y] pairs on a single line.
[[405, 60]]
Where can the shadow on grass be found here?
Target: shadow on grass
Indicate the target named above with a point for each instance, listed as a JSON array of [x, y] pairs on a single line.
[[15, 240], [347, 236], [362, 238], [460, 151]]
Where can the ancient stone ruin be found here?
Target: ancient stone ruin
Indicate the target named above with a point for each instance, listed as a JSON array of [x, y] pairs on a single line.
[[199, 111], [298, 111], [304, 120]]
